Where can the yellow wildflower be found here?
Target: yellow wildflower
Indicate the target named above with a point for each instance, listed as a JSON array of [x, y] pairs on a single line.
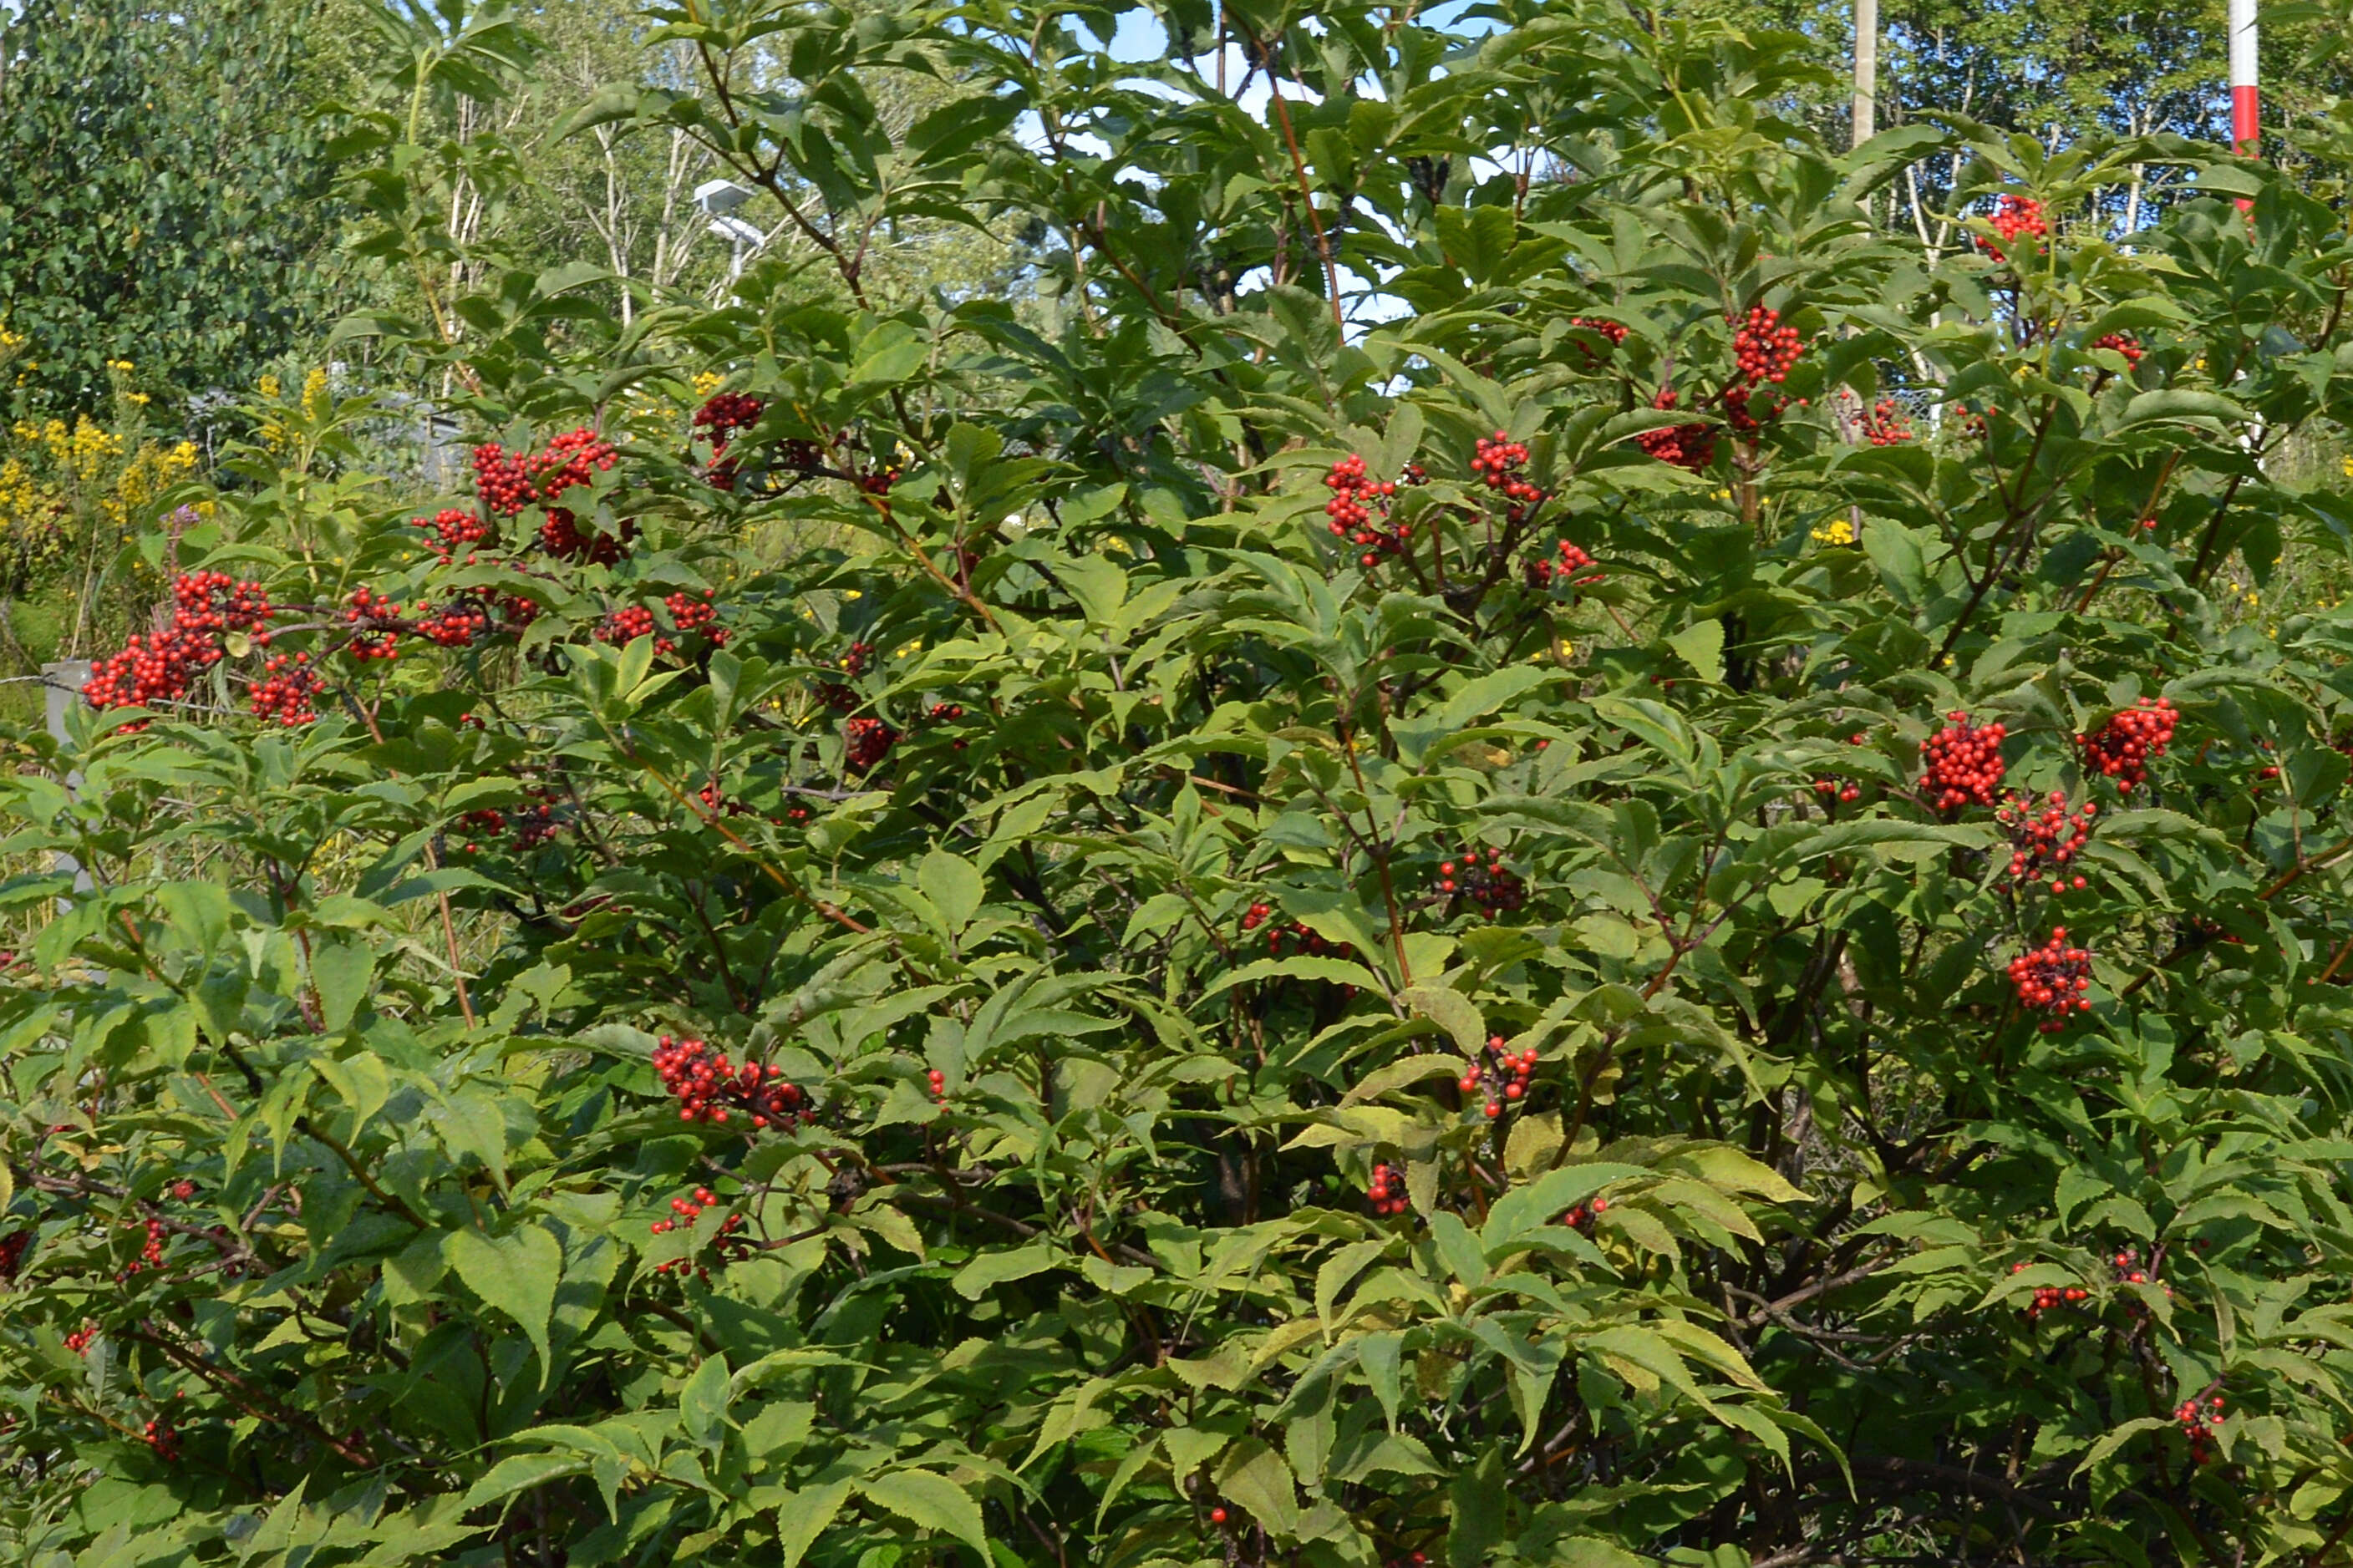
[[269, 384], [1838, 531]]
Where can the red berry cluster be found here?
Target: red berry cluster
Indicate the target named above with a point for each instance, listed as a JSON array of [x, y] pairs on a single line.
[[150, 1255], [686, 1212], [1486, 883], [560, 536], [1886, 424], [2015, 217], [1834, 788], [1612, 331], [184, 1190], [937, 1081], [2130, 1272], [1503, 1075], [2124, 343], [726, 412], [535, 824], [78, 1341], [375, 623], [12, 1252], [507, 482], [1582, 1217], [715, 802], [857, 660], [944, 712], [1386, 1190], [452, 530], [571, 458], [501, 481], [2045, 840], [1574, 569], [1294, 934], [1351, 516], [2050, 1297], [627, 626], [867, 742], [212, 602], [1689, 447], [2198, 1423], [1497, 460], [531, 825], [1962, 763], [2053, 979], [150, 670], [460, 623], [160, 1437], [2121, 748], [287, 690], [160, 666], [689, 613], [711, 1089], [1765, 349], [487, 820]]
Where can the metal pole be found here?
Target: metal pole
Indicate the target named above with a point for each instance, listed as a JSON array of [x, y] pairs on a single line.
[[1866, 68], [2245, 122], [61, 684]]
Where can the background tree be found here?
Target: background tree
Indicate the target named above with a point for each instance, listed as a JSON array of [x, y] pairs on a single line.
[[163, 194]]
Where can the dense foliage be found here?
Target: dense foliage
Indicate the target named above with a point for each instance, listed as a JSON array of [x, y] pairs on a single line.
[[1651, 909], [162, 195]]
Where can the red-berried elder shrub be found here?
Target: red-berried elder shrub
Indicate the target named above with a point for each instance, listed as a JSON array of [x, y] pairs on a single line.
[[1173, 921]]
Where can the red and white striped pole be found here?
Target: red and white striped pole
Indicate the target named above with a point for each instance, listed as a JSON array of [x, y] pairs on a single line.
[[2244, 125]]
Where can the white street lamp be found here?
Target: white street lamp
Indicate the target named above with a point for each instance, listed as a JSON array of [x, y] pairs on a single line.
[[719, 199]]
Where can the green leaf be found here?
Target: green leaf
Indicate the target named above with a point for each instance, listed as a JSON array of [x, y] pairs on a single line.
[[1253, 1474], [521, 1472], [1402, 1073], [1540, 1202], [341, 970], [703, 1403], [1481, 696], [988, 1269], [1701, 645], [1457, 1248], [802, 1516], [954, 886], [1451, 1011], [516, 1273], [929, 1501]]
